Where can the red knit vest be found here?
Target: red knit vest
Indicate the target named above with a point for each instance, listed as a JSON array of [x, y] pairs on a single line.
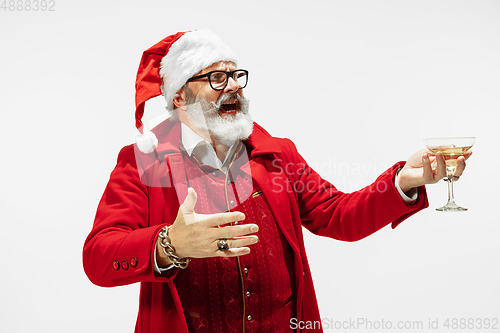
[[251, 293]]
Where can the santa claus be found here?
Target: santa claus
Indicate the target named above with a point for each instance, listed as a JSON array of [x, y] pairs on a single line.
[[206, 209]]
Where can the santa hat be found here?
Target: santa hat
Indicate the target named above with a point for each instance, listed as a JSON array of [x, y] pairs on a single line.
[[173, 60]]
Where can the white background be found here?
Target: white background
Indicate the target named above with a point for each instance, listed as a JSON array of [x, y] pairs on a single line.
[[356, 85]]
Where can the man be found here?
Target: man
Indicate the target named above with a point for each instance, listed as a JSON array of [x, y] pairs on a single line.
[[206, 211]]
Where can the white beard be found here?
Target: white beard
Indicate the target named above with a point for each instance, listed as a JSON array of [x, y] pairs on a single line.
[[228, 129]]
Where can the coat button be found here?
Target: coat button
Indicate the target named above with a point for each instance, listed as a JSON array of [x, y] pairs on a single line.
[[125, 264], [249, 318], [245, 270], [116, 265], [232, 202], [133, 262], [247, 294]]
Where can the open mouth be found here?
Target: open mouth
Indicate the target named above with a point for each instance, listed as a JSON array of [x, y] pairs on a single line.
[[229, 106]]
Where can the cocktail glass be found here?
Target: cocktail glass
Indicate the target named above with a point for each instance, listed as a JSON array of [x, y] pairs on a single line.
[[451, 148]]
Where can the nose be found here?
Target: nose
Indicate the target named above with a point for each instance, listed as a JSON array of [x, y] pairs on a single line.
[[232, 86]]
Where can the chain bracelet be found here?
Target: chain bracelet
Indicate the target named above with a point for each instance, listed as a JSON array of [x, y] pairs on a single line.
[[169, 250]]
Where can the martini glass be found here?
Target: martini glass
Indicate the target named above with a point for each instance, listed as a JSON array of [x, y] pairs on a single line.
[[451, 148]]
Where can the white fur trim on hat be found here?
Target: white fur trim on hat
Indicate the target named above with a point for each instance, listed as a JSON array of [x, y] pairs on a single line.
[[146, 142], [191, 53]]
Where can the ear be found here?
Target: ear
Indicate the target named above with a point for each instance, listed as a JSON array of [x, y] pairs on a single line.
[[180, 99]]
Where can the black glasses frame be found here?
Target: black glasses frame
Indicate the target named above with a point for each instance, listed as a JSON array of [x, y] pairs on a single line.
[[228, 75]]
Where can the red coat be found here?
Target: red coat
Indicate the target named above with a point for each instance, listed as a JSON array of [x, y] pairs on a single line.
[[119, 249]]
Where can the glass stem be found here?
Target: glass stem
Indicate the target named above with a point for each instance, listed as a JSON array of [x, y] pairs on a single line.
[[451, 197]]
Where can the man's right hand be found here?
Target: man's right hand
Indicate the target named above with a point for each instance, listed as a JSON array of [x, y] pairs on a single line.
[[196, 235]]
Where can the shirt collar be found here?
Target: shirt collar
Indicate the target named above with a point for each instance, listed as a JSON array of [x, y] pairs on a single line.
[[190, 139], [202, 150]]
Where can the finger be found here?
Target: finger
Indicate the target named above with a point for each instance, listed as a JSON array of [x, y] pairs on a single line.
[[427, 169], [467, 154], [215, 220], [432, 158], [236, 252], [241, 242], [237, 246], [234, 231], [187, 206], [440, 167], [460, 166]]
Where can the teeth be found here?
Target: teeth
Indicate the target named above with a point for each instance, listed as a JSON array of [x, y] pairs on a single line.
[[228, 107]]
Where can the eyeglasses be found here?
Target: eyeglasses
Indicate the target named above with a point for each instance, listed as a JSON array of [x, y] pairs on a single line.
[[218, 79]]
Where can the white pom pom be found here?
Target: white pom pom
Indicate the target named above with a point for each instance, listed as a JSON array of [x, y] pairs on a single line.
[[146, 142]]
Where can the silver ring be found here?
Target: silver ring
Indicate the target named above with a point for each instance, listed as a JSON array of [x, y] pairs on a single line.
[[223, 245]]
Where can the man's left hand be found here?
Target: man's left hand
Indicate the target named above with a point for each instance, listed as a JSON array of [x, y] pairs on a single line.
[[425, 167]]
